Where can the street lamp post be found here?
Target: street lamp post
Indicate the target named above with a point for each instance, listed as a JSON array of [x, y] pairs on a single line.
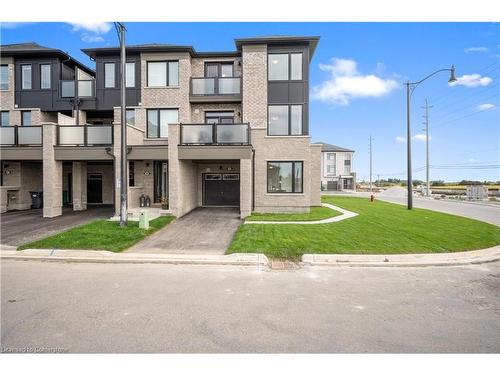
[[410, 88]]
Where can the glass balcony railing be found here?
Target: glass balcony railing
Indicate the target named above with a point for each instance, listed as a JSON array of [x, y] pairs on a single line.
[[85, 135], [80, 88], [215, 134], [215, 86], [21, 135]]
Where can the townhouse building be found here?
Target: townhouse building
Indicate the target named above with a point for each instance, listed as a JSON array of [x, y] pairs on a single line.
[[337, 168], [203, 128]]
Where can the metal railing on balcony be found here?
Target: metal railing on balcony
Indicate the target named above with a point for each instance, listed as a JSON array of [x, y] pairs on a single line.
[[215, 134], [21, 135], [83, 88], [84, 135], [215, 86]]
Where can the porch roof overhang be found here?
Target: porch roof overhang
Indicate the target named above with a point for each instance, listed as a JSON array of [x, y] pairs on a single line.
[[82, 153], [207, 152], [21, 153], [148, 152]]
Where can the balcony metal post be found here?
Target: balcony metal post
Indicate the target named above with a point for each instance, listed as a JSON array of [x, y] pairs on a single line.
[[16, 135]]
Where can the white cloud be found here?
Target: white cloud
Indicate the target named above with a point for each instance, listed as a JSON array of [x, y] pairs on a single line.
[[476, 49], [400, 139], [346, 83], [471, 80], [93, 27], [92, 38], [485, 106], [420, 137]]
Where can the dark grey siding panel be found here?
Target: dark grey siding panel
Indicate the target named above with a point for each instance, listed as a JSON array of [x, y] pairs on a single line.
[[292, 92], [107, 98]]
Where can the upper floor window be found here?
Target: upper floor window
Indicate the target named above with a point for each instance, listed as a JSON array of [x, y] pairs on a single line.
[[109, 75], [284, 66], [347, 166], [285, 120], [158, 120], [226, 117], [219, 69], [4, 77], [163, 73], [26, 118], [4, 118], [330, 163], [130, 74], [284, 177], [45, 76], [26, 77], [130, 113]]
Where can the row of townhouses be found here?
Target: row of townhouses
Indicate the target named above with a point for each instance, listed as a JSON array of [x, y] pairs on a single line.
[[203, 128]]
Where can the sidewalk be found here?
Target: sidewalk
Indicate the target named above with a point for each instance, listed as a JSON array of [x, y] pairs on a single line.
[[254, 259]]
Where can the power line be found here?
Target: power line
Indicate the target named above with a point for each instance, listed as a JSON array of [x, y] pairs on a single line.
[[462, 117]]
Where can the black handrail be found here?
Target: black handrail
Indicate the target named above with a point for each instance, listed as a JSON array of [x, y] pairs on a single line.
[[85, 135], [214, 135], [216, 90], [16, 135]]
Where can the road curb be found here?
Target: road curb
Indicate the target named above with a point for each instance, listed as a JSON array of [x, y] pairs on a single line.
[[96, 256], [489, 255]]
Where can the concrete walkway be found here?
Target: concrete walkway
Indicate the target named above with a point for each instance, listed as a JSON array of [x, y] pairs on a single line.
[[202, 231], [345, 215]]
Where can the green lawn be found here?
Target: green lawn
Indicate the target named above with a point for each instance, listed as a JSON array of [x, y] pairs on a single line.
[[380, 227], [316, 213], [99, 235]]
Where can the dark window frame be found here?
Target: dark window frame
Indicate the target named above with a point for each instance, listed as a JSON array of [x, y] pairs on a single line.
[[1, 121], [293, 162], [131, 173], [158, 118], [22, 118], [219, 68], [31, 76], [126, 118], [8, 86], [219, 118], [289, 53], [167, 72], [50, 76], [135, 76], [114, 74], [289, 134]]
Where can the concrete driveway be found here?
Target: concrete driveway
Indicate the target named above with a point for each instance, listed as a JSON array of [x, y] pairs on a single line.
[[19, 227], [202, 231]]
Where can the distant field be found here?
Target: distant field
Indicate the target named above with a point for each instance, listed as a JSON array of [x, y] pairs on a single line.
[[461, 187]]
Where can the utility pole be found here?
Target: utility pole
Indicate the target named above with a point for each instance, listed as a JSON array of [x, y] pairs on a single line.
[[426, 123], [370, 149], [378, 180], [120, 29]]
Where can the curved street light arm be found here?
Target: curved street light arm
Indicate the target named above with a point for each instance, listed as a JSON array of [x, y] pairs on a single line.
[[413, 85]]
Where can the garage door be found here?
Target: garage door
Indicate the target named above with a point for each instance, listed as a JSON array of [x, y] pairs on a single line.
[[221, 189], [331, 185]]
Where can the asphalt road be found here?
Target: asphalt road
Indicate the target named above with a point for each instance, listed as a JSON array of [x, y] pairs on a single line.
[[86, 308]]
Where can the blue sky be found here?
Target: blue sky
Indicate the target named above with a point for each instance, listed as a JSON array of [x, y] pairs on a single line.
[[357, 77]]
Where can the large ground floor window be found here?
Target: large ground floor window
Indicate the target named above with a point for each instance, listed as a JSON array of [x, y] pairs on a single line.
[[158, 120], [284, 177]]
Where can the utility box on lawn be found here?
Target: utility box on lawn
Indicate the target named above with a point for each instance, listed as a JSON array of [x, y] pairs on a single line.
[[144, 219]]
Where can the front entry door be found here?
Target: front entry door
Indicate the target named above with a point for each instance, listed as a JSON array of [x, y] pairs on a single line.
[[94, 188], [160, 180], [221, 189]]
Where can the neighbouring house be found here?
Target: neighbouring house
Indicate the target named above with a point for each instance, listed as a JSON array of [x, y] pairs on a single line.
[[336, 168], [203, 128]]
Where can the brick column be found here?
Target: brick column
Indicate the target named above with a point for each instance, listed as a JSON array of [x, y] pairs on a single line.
[[245, 187], [174, 188], [79, 176], [52, 174]]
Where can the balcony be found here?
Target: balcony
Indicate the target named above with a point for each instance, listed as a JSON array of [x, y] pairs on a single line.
[[80, 89], [215, 89], [21, 135], [85, 135], [215, 134]]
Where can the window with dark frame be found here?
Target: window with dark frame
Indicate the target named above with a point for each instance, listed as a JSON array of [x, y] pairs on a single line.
[[26, 76], [45, 76], [219, 69], [109, 75], [4, 118], [130, 74], [222, 117], [130, 116], [131, 173], [158, 120], [26, 118], [284, 177], [162, 73], [284, 66], [285, 120], [4, 77]]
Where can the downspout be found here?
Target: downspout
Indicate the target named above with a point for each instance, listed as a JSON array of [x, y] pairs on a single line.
[[253, 179]]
